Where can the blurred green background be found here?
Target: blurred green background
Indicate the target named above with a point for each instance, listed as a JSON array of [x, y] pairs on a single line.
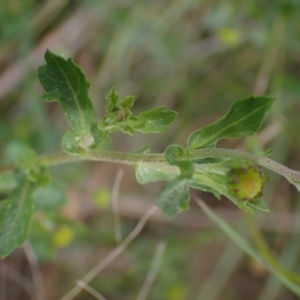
[[195, 57]]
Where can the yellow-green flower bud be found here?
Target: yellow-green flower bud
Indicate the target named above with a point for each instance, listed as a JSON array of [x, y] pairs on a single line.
[[247, 182]]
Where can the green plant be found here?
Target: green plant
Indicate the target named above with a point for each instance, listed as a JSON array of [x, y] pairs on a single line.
[[200, 165]]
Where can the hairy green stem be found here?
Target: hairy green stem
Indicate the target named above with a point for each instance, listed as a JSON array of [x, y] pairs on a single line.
[[158, 160]]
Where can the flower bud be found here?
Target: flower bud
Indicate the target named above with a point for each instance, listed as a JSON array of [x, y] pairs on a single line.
[[246, 182]]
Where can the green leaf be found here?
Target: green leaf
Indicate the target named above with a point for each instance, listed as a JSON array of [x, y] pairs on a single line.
[[243, 118], [64, 82], [154, 120], [16, 212], [15, 216], [175, 197], [151, 174]]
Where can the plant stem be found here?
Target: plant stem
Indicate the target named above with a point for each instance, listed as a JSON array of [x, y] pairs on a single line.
[[157, 160]]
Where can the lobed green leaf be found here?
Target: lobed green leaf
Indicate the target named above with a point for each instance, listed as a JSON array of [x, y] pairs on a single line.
[[65, 82], [243, 118]]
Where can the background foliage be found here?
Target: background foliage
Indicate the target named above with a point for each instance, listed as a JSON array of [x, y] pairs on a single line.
[[195, 57]]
